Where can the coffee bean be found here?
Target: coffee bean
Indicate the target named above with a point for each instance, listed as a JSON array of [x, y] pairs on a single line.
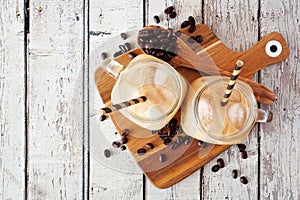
[[102, 118], [244, 154], [173, 15], [187, 140], [123, 148], [191, 40], [234, 173], [220, 162], [125, 132], [185, 24], [198, 38], [177, 33], [103, 55], [156, 19], [178, 129], [243, 180], [128, 46], [200, 143], [123, 36], [160, 54], [215, 168], [118, 53], [167, 141], [174, 145], [192, 28], [241, 147], [141, 151], [173, 122], [124, 140], [150, 145], [171, 133], [169, 10], [192, 20], [162, 158], [106, 153], [179, 139], [116, 144], [131, 55], [122, 48], [145, 33]]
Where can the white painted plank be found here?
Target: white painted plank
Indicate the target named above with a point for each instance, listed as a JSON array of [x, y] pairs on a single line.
[[189, 188], [55, 100], [280, 151], [110, 178], [235, 24], [12, 102]]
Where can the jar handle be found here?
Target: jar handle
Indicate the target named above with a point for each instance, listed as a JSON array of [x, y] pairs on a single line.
[[112, 67], [264, 116]]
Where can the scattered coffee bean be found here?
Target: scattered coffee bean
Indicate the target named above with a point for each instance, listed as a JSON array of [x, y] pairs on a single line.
[[173, 15], [150, 145], [123, 36], [187, 140], [106, 153], [169, 10], [198, 38], [220, 162], [171, 132], [118, 53], [124, 140], [122, 48], [244, 154], [191, 40], [103, 55], [179, 139], [156, 19], [162, 158], [215, 168], [123, 148], [167, 141], [243, 180], [128, 46], [177, 33], [178, 129], [185, 24], [192, 28], [191, 20], [174, 145], [125, 132], [116, 144], [234, 173], [241, 147], [173, 122], [131, 55], [102, 118], [141, 151], [202, 144]]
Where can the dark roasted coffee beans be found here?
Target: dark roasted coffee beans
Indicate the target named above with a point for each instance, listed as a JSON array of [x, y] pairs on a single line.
[[116, 144], [179, 139], [103, 55], [244, 180], [167, 141], [173, 15], [156, 19], [102, 118], [131, 55], [125, 132], [192, 28], [162, 158], [123, 36], [187, 140], [169, 10], [141, 151], [123, 148], [244, 154], [124, 140], [241, 147], [123, 48], [150, 145], [174, 145], [128, 46], [198, 38], [221, 163], [118, 53], [106, 153], [185, 24], [215, 168], [191, 20], [178, 129], [234, 173]]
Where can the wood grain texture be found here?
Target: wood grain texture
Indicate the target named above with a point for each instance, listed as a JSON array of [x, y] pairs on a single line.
[[113, 17], [235, 23], [55, 100], [280, 151], [190, 187], [12, 100]]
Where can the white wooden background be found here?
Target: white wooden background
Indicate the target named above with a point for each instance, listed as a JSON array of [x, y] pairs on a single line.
[[45, 88]]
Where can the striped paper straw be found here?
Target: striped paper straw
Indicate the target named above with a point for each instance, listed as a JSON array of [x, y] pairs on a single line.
[[119, 106], [235, 74]]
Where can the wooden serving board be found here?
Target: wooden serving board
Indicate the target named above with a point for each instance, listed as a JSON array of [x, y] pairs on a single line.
[[186, 159]]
